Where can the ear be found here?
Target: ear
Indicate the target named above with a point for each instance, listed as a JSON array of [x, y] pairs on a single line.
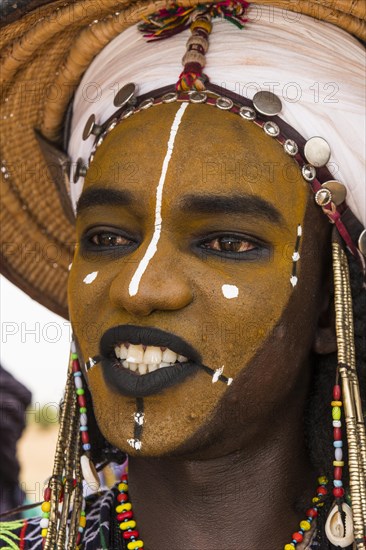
[[325, 341]]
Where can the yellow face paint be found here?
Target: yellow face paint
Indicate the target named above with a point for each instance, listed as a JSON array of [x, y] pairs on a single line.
[[229, 214]]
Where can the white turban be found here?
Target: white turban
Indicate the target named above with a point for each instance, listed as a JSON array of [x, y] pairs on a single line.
[[316, 69]]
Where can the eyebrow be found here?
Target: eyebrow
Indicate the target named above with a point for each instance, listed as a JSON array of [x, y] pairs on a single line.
[[232, 204], [97, 196], [199, 204]]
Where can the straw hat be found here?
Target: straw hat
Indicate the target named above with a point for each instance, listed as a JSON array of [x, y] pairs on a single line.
[[45, 48]]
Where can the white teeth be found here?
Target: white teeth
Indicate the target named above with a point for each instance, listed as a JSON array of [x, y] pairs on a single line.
[[137, 359], [153, 367], [142, 368], [135, 354], [152, 355], [169, 356]]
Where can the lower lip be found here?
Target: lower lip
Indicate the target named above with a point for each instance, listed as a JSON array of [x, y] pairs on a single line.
[[129, 383]]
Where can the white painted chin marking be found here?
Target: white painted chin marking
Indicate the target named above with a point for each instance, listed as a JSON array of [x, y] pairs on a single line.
[[151, 249], [90, 278], [230, 291]]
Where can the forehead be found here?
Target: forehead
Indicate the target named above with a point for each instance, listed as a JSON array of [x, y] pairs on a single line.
[[211, 151]]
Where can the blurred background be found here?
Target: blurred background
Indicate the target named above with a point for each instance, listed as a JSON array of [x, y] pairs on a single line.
[[34, 349]]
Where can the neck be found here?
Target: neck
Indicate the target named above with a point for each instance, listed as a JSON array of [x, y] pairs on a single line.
[[247, 496]]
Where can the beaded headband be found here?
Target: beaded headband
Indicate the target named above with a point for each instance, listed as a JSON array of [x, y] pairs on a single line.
[[311, 155]]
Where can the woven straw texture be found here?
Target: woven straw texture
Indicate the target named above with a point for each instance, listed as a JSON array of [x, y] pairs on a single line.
[[43, 56]]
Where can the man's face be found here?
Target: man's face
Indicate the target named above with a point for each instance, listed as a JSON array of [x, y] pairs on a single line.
[[188, 223]]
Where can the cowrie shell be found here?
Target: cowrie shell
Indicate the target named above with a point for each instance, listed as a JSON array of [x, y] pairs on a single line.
[[90, 474], [334, 528]]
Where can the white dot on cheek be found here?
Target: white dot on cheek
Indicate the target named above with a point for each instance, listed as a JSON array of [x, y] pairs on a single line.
[[230, 291], [90, 278]]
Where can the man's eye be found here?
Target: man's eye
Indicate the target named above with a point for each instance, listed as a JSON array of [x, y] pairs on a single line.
[[229, 244], [109, 240]]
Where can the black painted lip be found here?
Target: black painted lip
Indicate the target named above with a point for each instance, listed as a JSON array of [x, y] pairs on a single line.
[[131, 384]]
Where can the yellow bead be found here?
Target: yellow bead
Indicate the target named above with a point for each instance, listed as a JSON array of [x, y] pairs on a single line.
[[289, 546], [82, 521], [315, 500], [122, 487], [322, 480], [304, 525], [46, 506], [123, 507], [135, 544], [44, 532], [338, 463], [336, 403], [127, 525], [336, 413]]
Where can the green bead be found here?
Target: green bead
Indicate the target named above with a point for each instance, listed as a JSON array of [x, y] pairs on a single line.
[[336, 413], [83, 513], [80, 391], [82, 409], [45, 515], [74, 356]]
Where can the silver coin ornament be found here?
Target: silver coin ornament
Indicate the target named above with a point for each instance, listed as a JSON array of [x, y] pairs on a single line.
[[91, 128], [247, 113], [290, 147], [125, 95], [323, 197], [317, 151], [308, 172], [198, 97], [271, 128], [224, 103], [337, 189], [146, 104], [169, 97], [80, 170], [362, 242], [267, 103]]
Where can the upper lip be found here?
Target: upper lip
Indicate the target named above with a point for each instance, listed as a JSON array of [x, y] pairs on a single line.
[[147, 336]]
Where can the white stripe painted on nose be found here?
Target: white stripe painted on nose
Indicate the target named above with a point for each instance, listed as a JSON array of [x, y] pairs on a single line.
[[151, 249]]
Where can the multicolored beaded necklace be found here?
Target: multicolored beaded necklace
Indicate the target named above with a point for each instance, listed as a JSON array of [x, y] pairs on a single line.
[[124, 512]]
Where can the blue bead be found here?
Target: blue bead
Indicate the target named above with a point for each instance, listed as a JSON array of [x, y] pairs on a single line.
[[81, 529], [338, 444], [337, 483], [77, 373], [83, 428], [86, 446]]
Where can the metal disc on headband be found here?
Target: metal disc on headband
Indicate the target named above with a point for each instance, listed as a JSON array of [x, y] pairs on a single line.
[[337, 189], [362, 242], [323, 196], [91, 128], [317, 151], [267, 103], [125, 95], [224, 103]]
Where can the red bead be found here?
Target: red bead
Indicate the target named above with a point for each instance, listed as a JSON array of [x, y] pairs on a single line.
[[338, 472], [321, 490], [129, 534], [81, 400], [124, 479], [85, 437], [75, 365], [311, 513], [337, 434], [125, 515], [47, 494], [122, 497], [337, 393], [338, 492], [298, 537], [78, 539]]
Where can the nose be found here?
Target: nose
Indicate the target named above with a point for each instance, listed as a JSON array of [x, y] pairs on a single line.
[[163, 285]]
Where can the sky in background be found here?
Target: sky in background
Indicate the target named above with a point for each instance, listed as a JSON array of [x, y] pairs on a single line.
[[35, 344]]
